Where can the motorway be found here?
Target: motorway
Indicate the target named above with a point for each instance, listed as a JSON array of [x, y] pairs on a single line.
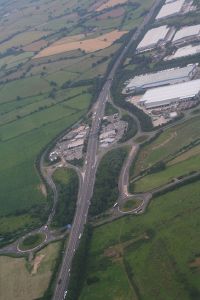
[[90, 167]]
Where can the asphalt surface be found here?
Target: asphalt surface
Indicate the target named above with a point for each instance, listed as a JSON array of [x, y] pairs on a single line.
[[124, 175], [89, 169]]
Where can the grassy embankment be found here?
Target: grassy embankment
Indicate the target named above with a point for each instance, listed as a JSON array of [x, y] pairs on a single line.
[[181, 156], [106, 185], [67, 185]]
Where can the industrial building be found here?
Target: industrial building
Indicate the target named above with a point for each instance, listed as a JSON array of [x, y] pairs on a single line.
[[155, 37], [165, 77], [170, 8], [184, 51], [187, 34], [171, 95]]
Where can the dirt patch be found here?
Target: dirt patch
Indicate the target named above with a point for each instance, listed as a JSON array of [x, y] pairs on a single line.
[[114, 13], [35, 46], [114, 252], [88, 45], [195, 263], [36, 263], [173, 135], [110, 3], [42, 188]]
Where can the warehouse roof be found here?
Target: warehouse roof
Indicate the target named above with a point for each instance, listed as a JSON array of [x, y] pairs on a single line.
[[165, 75], [153, 36], [177, 91], [187, 32], [185, 51], [170, 9], [169, 1]]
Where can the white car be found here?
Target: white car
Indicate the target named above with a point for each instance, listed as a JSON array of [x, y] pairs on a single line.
[[65, 294]]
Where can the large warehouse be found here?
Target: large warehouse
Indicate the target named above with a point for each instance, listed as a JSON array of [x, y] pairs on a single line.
[[184, 51], [165, 77], [154, 37], [173, 94], [187, 34], [171, 8]]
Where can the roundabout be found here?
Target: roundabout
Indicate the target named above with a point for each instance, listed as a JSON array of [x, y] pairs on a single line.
[[130, 205], [31, 242]]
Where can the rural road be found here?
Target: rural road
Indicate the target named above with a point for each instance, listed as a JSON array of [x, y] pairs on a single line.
[[124, 175]]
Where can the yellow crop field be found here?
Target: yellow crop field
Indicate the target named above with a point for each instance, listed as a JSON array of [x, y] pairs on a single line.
[[88, 45]]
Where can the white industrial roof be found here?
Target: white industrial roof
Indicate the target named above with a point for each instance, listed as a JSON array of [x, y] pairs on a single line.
[[177, 91], [165, 75], [153, 36], [185, 51], [187, 32], [169, 1], [170, 9]]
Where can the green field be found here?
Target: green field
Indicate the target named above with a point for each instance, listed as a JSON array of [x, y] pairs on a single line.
[[11, 61], [148, 257], [19, 280], [170, 141], [23, 205], [23, 88], [13, 224], [22, 39], [171, 172], [26, 126], [21, 142]]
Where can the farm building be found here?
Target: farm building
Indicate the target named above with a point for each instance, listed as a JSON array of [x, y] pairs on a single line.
[[184, 51], [187, 34], [171, 95], [165, 77], [170, 8], [155, 37]]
